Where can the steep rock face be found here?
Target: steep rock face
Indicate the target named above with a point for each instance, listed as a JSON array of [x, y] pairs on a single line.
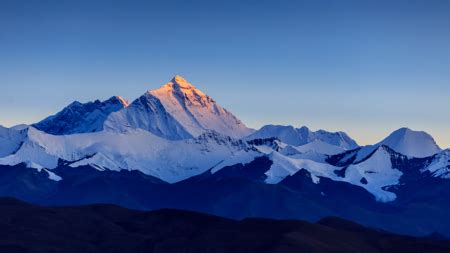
[[301, 136], [81, 118], [175, 111]]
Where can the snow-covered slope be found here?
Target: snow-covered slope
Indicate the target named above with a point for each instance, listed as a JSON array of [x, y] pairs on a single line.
[[301, 136], [320, 147], [81, 118], [440, 167], [149, 114], [10, 140], [411, 143], [284, 166], [177, 110], [137, 149], [375, 174]]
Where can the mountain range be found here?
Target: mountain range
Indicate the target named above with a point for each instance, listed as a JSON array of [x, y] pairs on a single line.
[[175, 147]]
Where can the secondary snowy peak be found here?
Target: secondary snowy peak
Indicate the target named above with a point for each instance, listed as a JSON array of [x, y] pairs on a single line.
[[301, 136], [81, 117], [411, 143], [178, 110]]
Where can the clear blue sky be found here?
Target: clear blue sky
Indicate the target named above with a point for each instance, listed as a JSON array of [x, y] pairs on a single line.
[[364, 67]]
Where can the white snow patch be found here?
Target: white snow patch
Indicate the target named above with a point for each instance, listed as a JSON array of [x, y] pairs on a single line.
[[51, 175]]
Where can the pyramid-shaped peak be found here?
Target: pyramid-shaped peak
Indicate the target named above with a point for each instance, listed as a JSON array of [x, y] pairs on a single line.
[[177, 84], [193, 110]]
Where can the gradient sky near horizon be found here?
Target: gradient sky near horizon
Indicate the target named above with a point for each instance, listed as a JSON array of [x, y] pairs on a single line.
[[364, 67]]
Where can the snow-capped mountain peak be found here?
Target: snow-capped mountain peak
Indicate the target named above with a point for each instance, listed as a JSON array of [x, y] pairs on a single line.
[[197, 111], [177, 83], [411, 143], [177, 110], [182, 91]]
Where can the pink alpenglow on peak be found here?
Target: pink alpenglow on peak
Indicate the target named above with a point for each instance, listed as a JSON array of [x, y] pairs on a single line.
[[181, 82], [179, 85]]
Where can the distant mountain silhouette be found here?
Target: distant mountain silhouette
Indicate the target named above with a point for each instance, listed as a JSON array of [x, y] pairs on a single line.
[[108, 228]]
